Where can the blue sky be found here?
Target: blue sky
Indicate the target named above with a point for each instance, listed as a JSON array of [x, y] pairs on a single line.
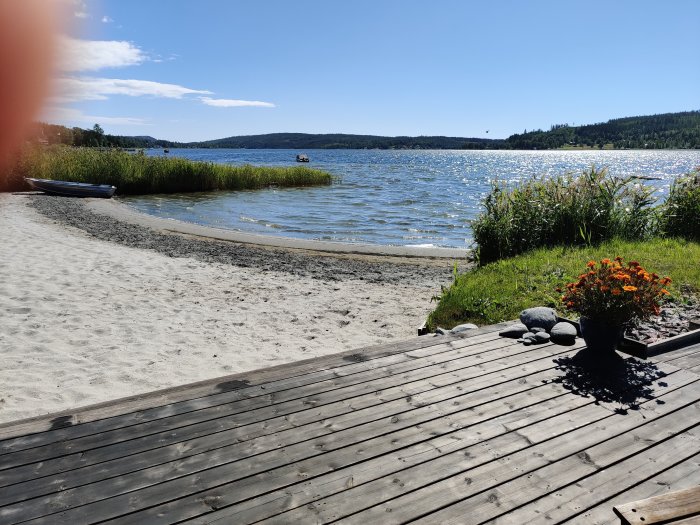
[[205, 69]]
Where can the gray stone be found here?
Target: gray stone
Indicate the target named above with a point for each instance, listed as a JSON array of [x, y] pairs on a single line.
[[441, 331], [514, 330], [537, 329], [564, 332], [529, 335], [463, 328], [539, 316], [527, 342], [542, 337]]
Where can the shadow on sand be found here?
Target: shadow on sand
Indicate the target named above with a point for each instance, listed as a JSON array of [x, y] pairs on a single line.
[[609, 380]]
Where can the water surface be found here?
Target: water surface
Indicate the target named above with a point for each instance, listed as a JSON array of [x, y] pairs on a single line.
[[390, 197]]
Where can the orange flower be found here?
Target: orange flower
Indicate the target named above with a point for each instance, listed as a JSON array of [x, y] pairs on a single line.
[[616, 291], [590, 264], [664, 291], [604, 288], [629, 288], [618, 259], [605, 261], [664, 281]]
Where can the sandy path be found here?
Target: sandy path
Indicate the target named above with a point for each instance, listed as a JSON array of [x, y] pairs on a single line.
[[85, 320]]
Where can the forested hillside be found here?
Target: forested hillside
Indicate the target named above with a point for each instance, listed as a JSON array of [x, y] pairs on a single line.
[[665, 131]]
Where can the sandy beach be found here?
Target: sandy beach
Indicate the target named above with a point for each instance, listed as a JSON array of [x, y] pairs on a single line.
[[93, 308]]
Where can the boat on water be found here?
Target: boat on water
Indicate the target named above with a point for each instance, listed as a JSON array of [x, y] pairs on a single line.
[[72, 189], [302, 157]]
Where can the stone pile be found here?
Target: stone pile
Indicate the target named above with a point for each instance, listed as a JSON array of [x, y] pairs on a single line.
[[674, 319], [539, 325]]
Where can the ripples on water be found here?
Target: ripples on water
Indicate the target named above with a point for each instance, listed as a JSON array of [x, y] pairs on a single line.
[[390, 197]]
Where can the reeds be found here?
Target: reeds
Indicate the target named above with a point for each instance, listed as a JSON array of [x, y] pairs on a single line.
[[680, 214], [568, 210], [135, 174]]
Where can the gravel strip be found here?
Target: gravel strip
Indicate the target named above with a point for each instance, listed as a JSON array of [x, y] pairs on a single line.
[[73, 212]]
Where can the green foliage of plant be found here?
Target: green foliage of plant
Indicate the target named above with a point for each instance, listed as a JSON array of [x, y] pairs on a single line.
[[140, 174], [568, 210], [499, 291], [680, 214]]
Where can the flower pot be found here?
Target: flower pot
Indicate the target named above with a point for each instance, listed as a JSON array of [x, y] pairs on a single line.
[[600, 337]]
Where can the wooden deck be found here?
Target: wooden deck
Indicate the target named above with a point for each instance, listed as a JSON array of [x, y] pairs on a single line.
[[433, 430]]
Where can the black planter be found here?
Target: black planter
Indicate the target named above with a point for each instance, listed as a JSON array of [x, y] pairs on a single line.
[[600, 337]]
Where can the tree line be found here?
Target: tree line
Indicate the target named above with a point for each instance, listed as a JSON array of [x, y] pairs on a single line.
[[664, 131]]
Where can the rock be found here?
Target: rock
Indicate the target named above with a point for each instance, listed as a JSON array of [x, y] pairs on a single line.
[[542, 337], [463, 328], [540, 316], [563, 332], [537, 329], [529, 336], [514, 331], [527, 342], [441, 331]]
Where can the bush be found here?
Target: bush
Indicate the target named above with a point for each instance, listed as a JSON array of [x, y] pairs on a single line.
[[140, 174], [568, 210], [680, 214]]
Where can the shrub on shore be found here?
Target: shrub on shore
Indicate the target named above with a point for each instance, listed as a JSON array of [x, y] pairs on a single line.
[[140, 174], [568, 210], [680, 214]]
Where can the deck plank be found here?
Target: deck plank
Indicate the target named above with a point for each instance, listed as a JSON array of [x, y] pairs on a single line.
[[551, 442], [682, 476], [522, 376], [164, 398], [248, 458], [467, 368], [448, 359], [226, 390], [473, 429]]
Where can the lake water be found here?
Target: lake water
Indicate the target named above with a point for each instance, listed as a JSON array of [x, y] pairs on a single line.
[[390, 197]]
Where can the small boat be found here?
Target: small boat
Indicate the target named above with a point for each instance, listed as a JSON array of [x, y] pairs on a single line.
[[166, 150], [72, 189], [302, 157]]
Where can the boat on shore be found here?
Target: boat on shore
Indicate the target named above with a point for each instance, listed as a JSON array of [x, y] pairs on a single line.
[[72, 189], [302, 157]]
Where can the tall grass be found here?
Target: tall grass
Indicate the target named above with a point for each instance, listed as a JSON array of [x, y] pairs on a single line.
[[680, 214], [568, 210], [141, 174]]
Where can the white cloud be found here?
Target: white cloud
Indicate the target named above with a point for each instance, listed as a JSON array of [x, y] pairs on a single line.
[[69, 115], [70, 89], [107, 20], [232, 103], [90, 55]]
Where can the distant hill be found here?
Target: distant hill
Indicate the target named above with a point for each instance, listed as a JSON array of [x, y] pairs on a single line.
[[664, 131], [346, 141]]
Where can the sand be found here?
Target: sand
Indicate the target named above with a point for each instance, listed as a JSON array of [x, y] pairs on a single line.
[[94, 309]]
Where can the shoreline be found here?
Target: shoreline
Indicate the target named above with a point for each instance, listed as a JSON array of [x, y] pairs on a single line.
[[96, 309], [123, 212]]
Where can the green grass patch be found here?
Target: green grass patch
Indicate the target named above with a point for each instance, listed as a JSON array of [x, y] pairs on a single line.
[[498, 291], [138, 174]]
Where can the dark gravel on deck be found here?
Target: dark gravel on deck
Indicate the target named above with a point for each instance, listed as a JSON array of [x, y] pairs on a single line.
[[372, 269]]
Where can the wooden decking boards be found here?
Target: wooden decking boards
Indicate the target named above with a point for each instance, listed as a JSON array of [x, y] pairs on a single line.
[[478, 429]]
